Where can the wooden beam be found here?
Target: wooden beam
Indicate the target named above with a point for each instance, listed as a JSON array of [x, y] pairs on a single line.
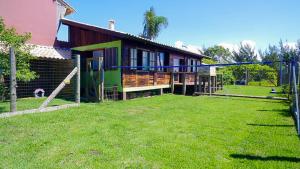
[[77, 97], [209, 85], [47, 109], [59, 88], [184, 84], [13, 81], [172, 82], [195, 82], [200, 84], [124, 95]]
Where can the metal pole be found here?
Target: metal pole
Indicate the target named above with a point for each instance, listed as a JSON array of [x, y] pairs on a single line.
[[280, 71], [172, 82], [101, 79], [209, 84], [13, 81], [77, 97], [184, 84], [296, 98]]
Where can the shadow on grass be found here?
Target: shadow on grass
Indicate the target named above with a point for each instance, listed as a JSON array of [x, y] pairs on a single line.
[[2, 110], [267, 158], [271, 125], [251, 99], [283, 112]]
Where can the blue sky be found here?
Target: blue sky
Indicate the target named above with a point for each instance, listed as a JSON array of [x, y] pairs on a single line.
[[199, 22]]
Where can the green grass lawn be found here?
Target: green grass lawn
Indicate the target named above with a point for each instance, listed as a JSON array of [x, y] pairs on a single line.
[[31, 103], [167, 131], [251, 90]]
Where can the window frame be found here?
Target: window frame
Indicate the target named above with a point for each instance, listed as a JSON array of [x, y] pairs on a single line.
[[133, 52]]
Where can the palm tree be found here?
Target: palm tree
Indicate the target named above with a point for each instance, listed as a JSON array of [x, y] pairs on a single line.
[[153, 24]]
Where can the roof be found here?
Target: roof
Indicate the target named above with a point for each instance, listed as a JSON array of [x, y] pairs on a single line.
[[69, 8], [129, 36], [45, 51], [51, 52]]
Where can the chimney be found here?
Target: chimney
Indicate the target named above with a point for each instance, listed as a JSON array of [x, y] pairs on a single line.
[[111, 25]]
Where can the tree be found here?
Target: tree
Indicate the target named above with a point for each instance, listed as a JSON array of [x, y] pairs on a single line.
[[271, 55], [219, 54], [153, 24], [10, 38], [245, 54], [286, 52]]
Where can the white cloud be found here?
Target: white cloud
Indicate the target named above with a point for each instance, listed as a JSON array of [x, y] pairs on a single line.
[[191, 48], [178, 44], [231, 47], [290, 45], [235, 47]]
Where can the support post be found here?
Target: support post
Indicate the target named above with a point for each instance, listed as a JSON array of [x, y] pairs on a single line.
[[195, 82], [124, 96], [58, 89], [101, 92], [221, 81], [209, 85], [184, 84], [215, 84], [13, 81], [161, 91], [280, 71], [200, 85], [172, 82], [77, 97]]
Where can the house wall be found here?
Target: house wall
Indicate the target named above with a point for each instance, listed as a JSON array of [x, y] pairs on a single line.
[[39, 17], [111, 77], [82, 37]]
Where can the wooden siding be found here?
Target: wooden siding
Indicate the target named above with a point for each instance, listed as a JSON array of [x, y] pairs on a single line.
[[81, 37], [140, 79]]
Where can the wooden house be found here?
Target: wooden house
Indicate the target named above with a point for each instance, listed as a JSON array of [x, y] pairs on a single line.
[[131, 63]]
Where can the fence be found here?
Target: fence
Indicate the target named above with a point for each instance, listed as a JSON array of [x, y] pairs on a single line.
[[294, 95], [54, 79]]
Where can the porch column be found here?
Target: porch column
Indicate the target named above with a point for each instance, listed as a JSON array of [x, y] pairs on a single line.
[[209, 84], [184, 84], [195, 82], [124, 95], [172, 82], [77, 60], [200, 85]]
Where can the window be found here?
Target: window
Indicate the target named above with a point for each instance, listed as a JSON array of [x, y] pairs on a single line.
[[110, 58], [152, 61], [198, 64], [189, 68], [160, 60], [133, 58], [193, 65], [95, 62], [176, 63], [145, 60]]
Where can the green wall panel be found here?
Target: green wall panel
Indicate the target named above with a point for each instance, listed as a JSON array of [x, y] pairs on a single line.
[[111, 77]]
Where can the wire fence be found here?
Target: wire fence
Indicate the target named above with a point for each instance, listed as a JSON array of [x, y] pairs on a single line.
[[30, 95], [294, 95]]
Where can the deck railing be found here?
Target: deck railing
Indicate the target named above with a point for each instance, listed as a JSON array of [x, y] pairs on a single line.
[[145, 78]]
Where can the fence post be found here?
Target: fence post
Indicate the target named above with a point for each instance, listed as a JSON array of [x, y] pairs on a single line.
[[77, 97], [13, 81], [172, 82], [195, 82], [101, 79], [209, 84], [184, 84], [294, 80]]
